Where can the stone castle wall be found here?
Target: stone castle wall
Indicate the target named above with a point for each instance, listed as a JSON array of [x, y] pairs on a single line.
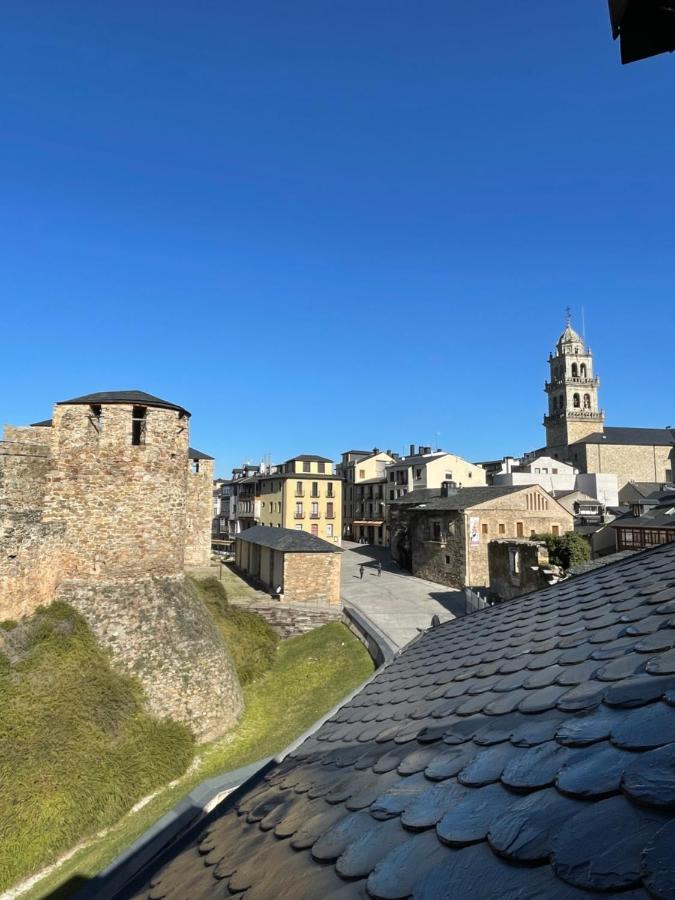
[[199, 513], [123, 506], [159, 630]]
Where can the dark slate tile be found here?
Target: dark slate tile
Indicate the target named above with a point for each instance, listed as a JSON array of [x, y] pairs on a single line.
[[396, 875], [363, 854], [543, 677], [314, 827], [537, 729], [500, 729], [429, 807], [588, 728], [622, 667], [398, 795], [596, 772], [450, 762], [583, 697], [645, 728], [524, 832], [474, 873], [663, 664], [417, 760], [542, 699], [580, 673], [506, 703], [658, 863], [650, 779], [465, 729], [599, 849], [342, 833], [537, 767], [639, 690], [471, 818], [487, 765]]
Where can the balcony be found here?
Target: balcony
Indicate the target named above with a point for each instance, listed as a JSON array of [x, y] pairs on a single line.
[[299, 515], [299, 493], [314, 516], [315, 495], [560, 382], [574, 414], [330, 515]]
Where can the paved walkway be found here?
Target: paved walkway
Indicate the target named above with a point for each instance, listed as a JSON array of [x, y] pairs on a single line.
[[397, 602]]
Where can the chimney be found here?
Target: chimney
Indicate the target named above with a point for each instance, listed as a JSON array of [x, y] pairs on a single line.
[[412, 449], [448, 488], [424, 450]]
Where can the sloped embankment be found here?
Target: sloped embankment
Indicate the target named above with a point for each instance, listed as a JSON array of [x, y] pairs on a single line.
[[159, 630], [77, 746]]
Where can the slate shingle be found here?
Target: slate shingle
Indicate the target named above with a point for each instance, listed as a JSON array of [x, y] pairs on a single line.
[[524, 751]]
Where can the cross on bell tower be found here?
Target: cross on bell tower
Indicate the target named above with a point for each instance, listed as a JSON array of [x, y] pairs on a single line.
[[573, 406]]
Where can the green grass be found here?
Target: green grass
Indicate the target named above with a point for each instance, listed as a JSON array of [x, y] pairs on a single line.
[[77, 748], [251, 641], [310, 674]]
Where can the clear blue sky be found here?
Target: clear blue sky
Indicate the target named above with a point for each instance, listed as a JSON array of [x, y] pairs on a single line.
[[321, 225]]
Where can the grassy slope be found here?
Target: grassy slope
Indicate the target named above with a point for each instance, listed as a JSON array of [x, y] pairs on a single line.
[[311, 674], [77, 748]]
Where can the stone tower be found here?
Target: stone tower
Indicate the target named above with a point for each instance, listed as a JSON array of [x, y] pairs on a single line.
[[573, 408]]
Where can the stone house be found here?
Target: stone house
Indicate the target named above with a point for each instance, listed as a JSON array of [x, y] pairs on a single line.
[[517, 567], [443, 535], [297, 566]]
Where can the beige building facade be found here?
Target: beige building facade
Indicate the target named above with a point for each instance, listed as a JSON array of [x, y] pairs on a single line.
[[303, 494], [363, 475]]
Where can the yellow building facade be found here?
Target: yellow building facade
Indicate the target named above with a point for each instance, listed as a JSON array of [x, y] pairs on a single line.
[[305, 494]]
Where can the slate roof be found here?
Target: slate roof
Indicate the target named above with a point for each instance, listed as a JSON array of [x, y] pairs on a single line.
[[197, 454], [289, 540], [660, 515], [523, 751], [139, 398], [463, 498], [418, 458], [46, 423], [660, 437], [309, 457]]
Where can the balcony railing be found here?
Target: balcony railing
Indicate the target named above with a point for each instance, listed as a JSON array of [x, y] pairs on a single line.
[[299, 515], [299, 493], [330, 515], [575, 413], [572, 379], [314, 516]]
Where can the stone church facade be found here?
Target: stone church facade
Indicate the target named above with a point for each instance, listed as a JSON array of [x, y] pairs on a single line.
[[575, 423], [103, 506]]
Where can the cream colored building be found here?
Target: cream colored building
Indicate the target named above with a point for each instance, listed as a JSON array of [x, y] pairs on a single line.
[[424, 470], [364, 477], [303, 493]]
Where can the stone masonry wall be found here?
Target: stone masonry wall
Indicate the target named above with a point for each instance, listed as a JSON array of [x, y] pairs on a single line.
[[630, 463], [312, 577], [159, 630], [23, 474], [199, 513], [291, 619], [31, 562], [123, 505]]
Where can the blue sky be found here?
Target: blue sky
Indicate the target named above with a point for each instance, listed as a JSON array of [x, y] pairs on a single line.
[[321, 225]]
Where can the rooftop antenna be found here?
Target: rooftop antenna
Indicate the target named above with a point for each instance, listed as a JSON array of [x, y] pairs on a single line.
[[583, 325]]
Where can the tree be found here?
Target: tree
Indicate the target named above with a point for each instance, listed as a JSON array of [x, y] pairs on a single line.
[[566, 550]]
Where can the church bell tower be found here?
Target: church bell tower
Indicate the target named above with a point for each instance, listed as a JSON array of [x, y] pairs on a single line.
[[573, 408]]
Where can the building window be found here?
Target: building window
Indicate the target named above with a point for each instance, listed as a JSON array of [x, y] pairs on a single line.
[[582, 369], [436, 526], [519, 529], [194, 466], [321, 468], [329, 489], [587, 401], [576, 402], [447, 560], [315, 510], [391, 495], [315, 529], [298, 511], [329, 510], [502, 528], [315, 489], [555, 530], [138, 423], [362, 473], [305, 466], [418, 473], [96, 416], [484, 528], [298, 489], [514, 560], [329, 530], [298, 527], [575, 370]]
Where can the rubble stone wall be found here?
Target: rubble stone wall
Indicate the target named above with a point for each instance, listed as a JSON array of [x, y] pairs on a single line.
[[199, 514], [312, 578]]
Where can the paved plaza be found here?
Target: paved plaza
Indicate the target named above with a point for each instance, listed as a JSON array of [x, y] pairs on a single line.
[[398, 603]]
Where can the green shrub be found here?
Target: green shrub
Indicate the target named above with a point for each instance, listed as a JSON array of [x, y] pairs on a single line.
[[8, 624], [566, 550], [77, 748], [250, 640]]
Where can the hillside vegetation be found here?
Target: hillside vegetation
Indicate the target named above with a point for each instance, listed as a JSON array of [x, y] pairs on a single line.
[[250, 640], [77, 748]]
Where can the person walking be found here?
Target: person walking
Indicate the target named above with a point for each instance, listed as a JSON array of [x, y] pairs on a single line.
[[379, 569], [361, 571]]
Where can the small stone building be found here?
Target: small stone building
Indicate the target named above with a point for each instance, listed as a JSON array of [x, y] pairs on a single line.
[[443, 535], [518, 567], [299, 566]]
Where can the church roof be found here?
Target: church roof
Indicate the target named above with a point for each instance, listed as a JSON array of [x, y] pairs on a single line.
[[525, 750], [650, 437], [569, 336]]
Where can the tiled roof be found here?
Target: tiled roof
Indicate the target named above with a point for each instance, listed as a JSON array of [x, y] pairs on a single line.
[[631, 436], [139, 398], [290, 540], [659, 515], [463, 498], [309, 457], [524, 751]]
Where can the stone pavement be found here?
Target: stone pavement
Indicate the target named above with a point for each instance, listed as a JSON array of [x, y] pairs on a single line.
[[398, 603]]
